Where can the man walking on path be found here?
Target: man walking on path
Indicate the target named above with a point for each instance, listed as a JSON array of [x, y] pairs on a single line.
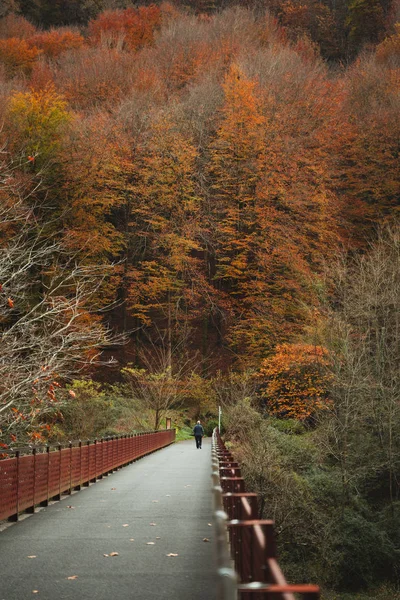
[[198, 434]]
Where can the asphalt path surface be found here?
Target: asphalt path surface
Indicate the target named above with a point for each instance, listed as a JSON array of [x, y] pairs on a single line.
[[157, 506]]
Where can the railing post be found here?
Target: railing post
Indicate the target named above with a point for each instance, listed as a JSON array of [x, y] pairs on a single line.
[[102, 459], [58, 496], [46, 501], [79, 486], [95, 461], [86, 483], [31, 509], [15, 516], [70, 468]]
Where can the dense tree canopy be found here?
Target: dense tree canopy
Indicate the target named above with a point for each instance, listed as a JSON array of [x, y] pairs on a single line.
[[214, 161]]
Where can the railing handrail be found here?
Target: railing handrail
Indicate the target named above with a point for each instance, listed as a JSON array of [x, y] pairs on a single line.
[[257, 573]]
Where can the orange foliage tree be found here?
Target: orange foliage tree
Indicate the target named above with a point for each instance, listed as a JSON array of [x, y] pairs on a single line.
[[295, 381], [132, 27], [273, 213], [52, 43], [89, 186], [234, 172], [165, 277], [366, 145], [18, 56]]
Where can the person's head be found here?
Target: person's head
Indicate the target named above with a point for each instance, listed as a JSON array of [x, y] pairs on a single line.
[[198, 422]]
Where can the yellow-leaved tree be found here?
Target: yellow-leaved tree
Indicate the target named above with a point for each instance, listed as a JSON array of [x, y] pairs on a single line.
[[37, 120]]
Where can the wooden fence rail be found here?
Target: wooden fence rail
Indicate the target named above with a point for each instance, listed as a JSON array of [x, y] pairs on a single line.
[[246, 553], [28, 480]]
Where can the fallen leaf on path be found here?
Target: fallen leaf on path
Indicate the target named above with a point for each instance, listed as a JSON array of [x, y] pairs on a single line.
[[105, 554], [132, 540], [35, 591], [158, 538], [114, 554], [125, 525], [69, 506], [209, 524], [206, 540], [150, 543], [172, 554], [113, 488], [154, 500], [73, 577], [153, 524], [168, 495], [33, 556]]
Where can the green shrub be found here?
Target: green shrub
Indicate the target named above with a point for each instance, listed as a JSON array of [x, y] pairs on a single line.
[[360, 553], [210, 426], [289, 426], [90, 412]]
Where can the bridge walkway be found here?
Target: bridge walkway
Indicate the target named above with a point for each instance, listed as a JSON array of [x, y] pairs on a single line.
[[156, 506]]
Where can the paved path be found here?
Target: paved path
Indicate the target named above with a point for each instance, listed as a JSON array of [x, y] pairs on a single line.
[[58, 553]]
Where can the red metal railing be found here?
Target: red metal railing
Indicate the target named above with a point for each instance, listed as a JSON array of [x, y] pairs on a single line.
[[35, 475], [251, 540]]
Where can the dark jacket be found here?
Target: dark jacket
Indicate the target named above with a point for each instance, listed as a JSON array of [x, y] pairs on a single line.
[[198, 430]]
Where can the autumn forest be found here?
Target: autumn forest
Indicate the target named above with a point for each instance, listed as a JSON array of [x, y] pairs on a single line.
[[199, 208]]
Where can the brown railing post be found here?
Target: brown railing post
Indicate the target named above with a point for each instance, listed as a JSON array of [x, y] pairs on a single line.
[[58, 496], [34, 479], [86, 483], [70, 468], [102, 459], [79, 486], [45, 502], [31, 509], [15, 516], [95, 461]]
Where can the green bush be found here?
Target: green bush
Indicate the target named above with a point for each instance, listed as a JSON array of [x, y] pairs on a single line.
[[210, 426], [289, 426], [90, 413], [360, 553]]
